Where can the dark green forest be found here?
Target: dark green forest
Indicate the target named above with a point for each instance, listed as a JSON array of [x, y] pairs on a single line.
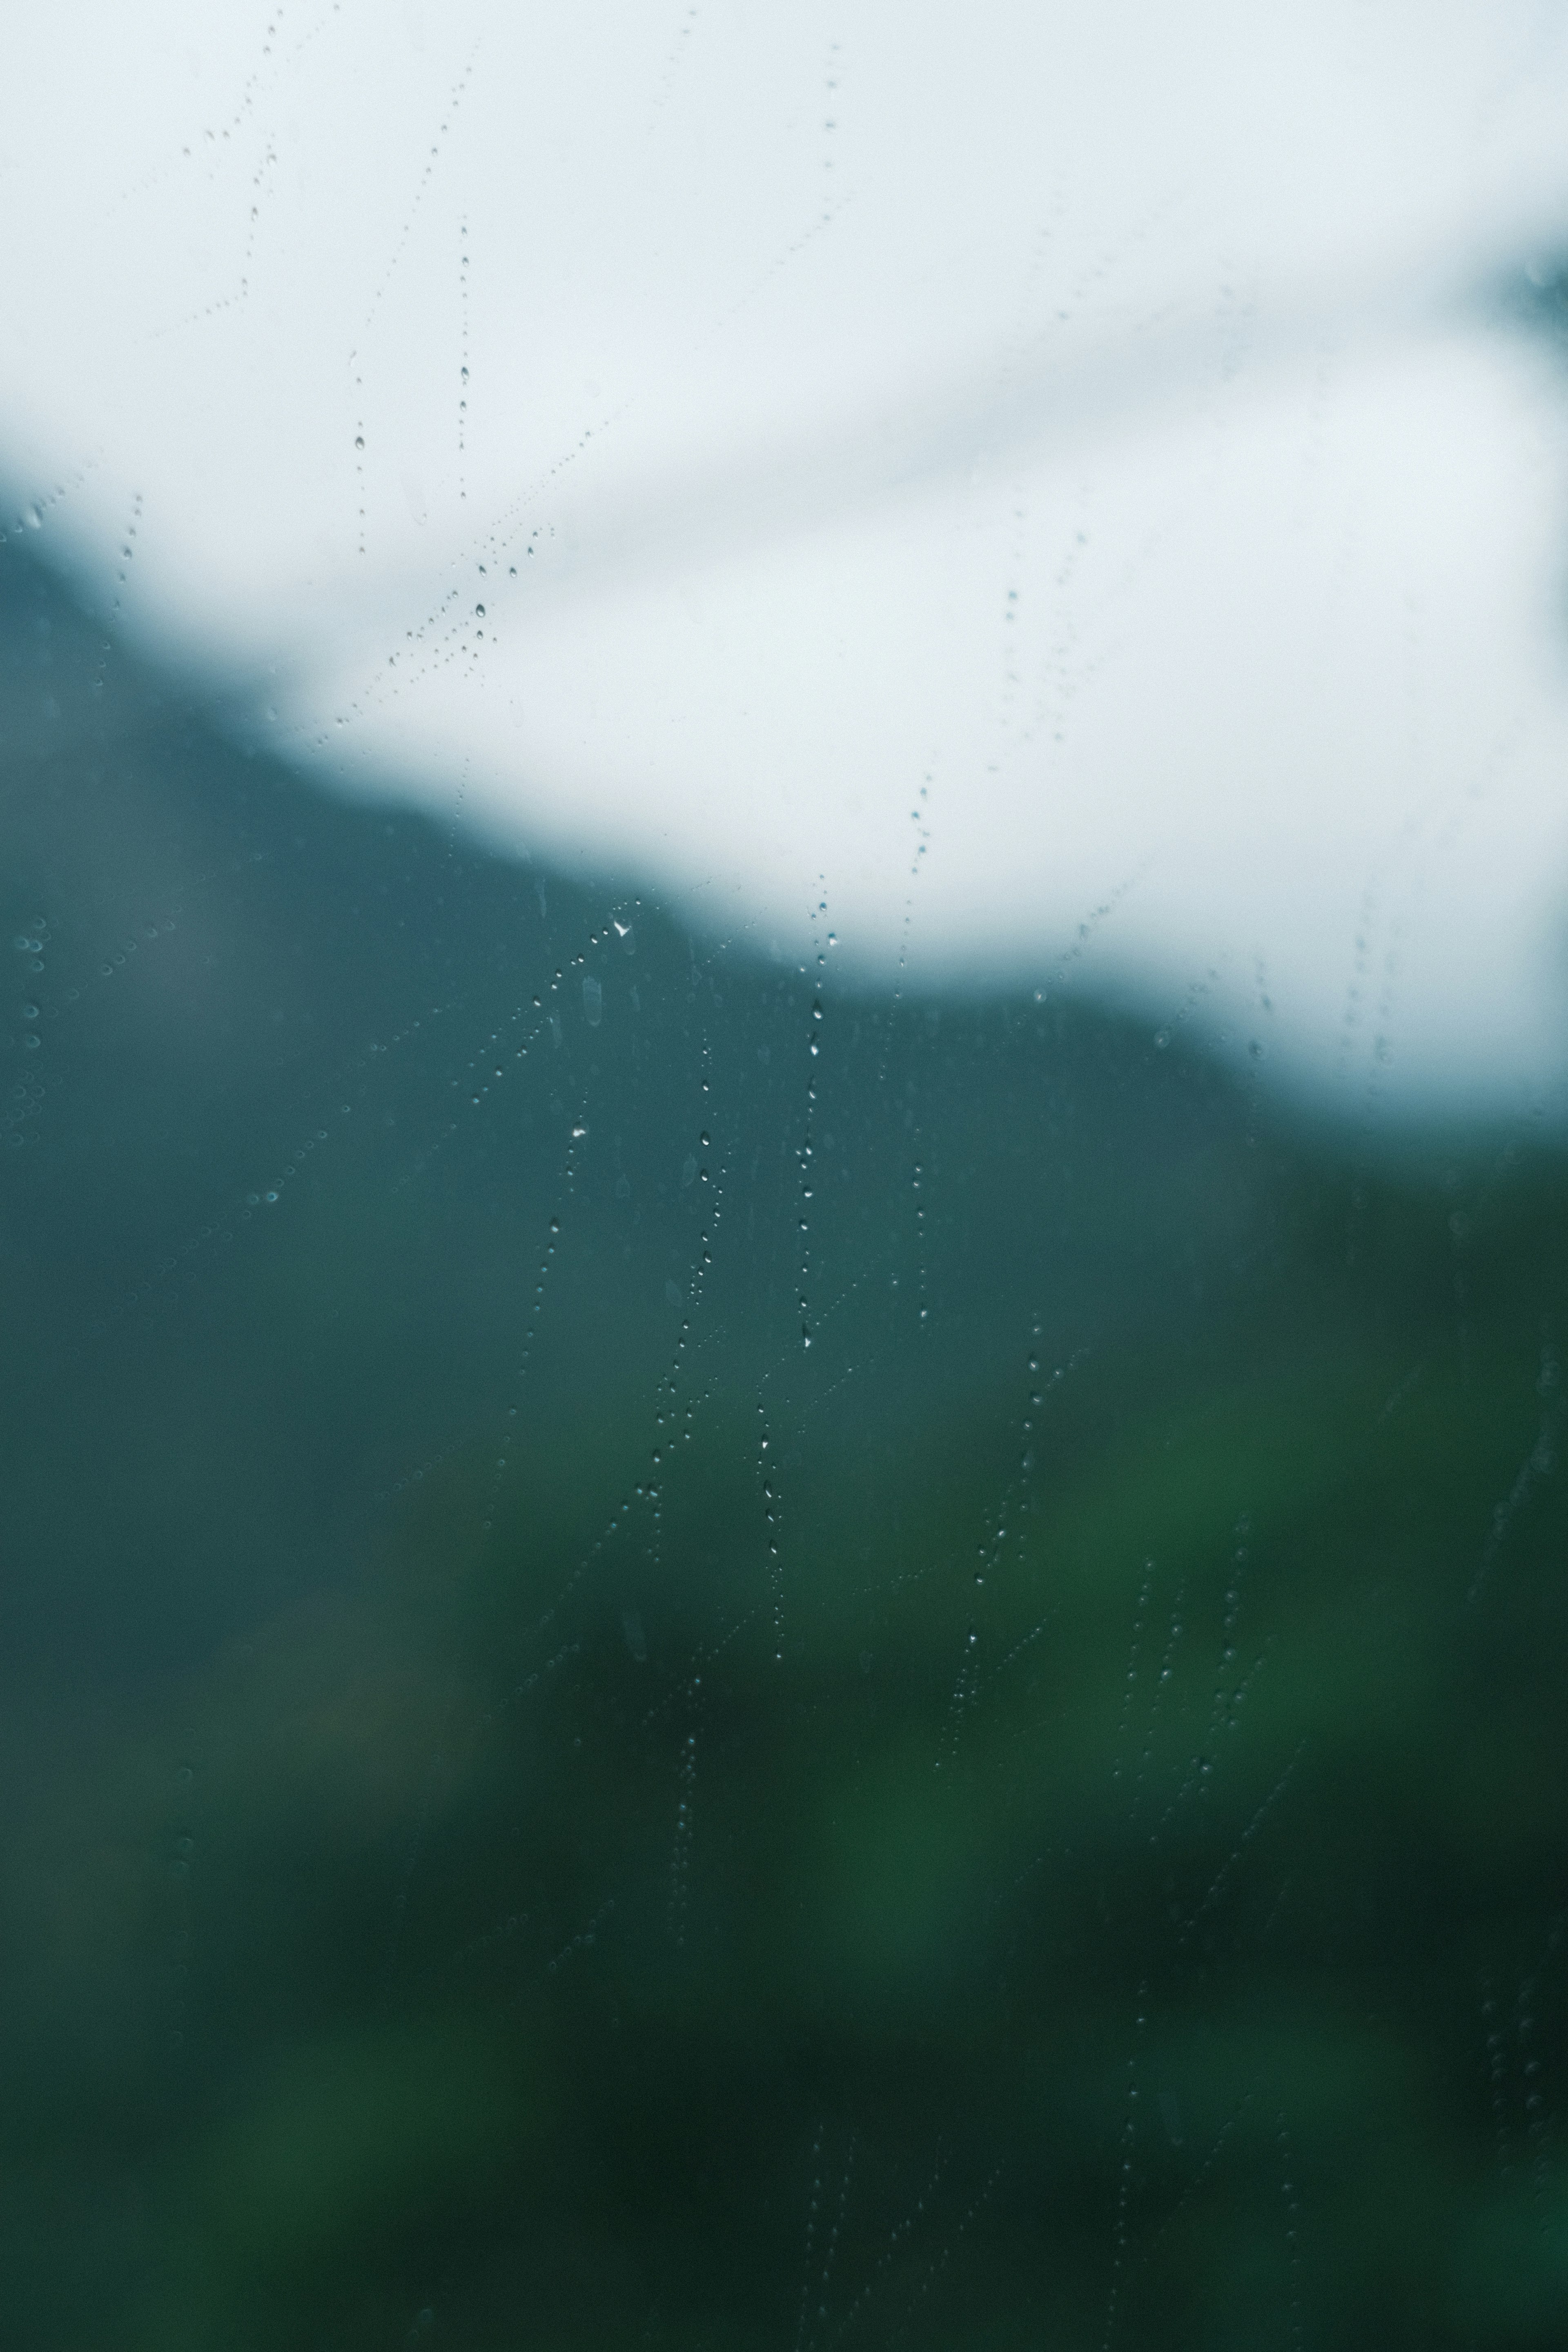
[[695, 1657]]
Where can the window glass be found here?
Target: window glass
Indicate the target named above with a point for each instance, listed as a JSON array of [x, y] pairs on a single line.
[[782, 1127]]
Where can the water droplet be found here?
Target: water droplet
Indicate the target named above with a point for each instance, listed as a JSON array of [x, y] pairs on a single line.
[[359, 440], [479, 611]]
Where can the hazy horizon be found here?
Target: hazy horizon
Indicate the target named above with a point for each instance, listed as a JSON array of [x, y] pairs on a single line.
[[1116, 466]]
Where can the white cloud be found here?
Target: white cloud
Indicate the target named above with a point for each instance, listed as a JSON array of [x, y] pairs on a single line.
[[1077, 408]]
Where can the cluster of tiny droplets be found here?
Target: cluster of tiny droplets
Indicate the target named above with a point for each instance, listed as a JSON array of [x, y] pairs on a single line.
[[463, 366], [934, 2270], [1124, 2183], [1130, 1684], [546, 1261], [817, 2265], [1292, 2201], [772, 1514], [665, 1396], [811, 2211], [813, 1046], [680, 1859], [989, 1553], [899, 2238], [548, 1019], [917, 820], [1167, 1669]]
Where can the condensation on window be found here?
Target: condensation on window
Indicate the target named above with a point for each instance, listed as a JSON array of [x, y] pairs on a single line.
[[781, 1118]]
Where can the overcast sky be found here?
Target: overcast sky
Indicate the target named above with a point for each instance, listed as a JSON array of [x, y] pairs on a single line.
[[1066, 449]]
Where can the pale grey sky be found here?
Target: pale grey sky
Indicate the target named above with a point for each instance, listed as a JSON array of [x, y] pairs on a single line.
[[1088, 415]]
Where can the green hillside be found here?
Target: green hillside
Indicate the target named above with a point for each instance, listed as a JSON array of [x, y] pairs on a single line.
[[543, 1809]]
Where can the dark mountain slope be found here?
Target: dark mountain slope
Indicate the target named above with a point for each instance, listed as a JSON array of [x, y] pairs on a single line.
[[289, 1092], [541, 1807]]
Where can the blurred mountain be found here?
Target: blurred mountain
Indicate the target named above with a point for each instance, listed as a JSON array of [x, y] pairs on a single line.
[[290, 1100], [694, 1659]]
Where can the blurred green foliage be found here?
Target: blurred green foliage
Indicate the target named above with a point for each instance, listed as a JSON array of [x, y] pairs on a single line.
[[1131, 1905], [544, 1813]]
